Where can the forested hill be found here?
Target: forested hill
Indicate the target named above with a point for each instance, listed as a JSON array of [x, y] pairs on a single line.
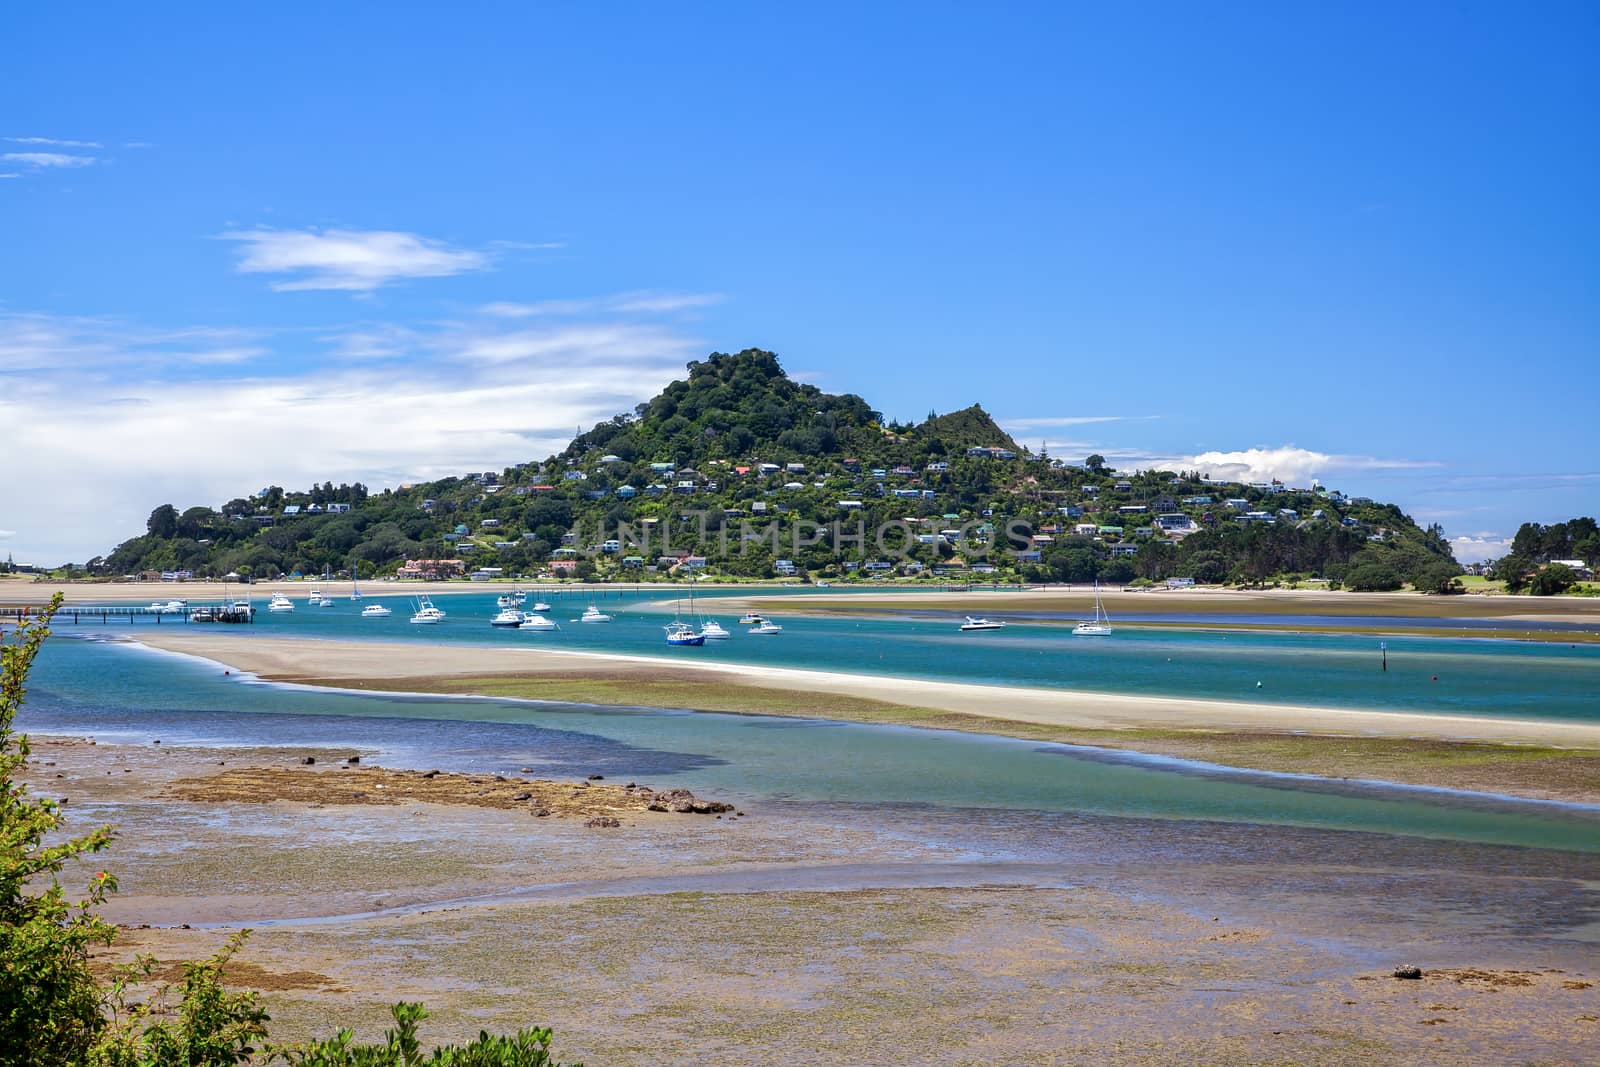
[[725, 466]]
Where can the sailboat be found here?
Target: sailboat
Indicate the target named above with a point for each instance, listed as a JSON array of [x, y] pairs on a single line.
[[680, 632], [1100, 625], [355, 591]]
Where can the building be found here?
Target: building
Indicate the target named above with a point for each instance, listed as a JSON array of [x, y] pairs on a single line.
[[432, 568]]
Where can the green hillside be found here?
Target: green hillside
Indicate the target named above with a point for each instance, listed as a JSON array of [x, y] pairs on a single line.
[[741, 471]]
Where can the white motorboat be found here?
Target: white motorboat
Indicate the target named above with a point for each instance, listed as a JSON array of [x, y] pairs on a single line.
[[314, 598], [375, 611], [506, 601], [426, 614], [682, 634], [201, 614], [751, 618], [766, 626], [1100, 625], [539, 605], [977, 622], [593, 614], [535, 621], [508, 617], [326, 602], [279, 602], [712, 630]]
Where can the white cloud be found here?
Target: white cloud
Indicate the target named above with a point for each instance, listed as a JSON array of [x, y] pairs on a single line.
[[56, 141], [7, 533], [642, 302], [1479, 548], [354, 260], [1287, 463], [483, 397], [47, 159]]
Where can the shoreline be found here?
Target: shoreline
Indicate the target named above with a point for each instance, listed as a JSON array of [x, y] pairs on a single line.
[[1534, 759], [845, 930], [850, 597]]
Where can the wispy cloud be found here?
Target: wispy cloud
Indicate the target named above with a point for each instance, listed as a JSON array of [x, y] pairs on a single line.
[[1052, 421], [7, 533], [641, 302], [86, 344], [352, 260], [56, 142], [47, 159]]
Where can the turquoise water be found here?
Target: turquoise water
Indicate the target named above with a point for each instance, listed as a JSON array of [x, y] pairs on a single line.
[[1456, 676], [124, 692]]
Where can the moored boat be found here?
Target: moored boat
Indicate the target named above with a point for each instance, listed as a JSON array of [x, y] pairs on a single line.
[[681, 633], [1100, 625], [977, 622]]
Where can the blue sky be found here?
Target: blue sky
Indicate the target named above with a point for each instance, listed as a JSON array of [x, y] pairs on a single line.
[[387, 242]]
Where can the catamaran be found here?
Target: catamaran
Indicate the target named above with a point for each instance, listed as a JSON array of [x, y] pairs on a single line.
[[1100, 625]]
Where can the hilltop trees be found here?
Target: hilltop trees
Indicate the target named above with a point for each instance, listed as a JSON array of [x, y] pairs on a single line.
[[737, 441]]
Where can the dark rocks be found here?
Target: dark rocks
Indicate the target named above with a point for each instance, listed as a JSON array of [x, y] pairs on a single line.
[[1408, 971], [683, 802], [603, 822], [353, 759], [430, 774], [523, 796], [543, 813], [308, 760], [597, 778]]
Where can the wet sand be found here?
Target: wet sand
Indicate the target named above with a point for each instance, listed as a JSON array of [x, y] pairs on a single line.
[[808, 934]]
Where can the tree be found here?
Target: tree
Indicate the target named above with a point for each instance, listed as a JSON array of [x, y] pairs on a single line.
[[1372, 578], [1552, 579], [163, 521], [1096, 463], [1513, 571], [50, 1003], [1439, 578]]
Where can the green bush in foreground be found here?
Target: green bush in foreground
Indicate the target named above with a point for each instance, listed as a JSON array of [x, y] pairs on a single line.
[[56, 1012]]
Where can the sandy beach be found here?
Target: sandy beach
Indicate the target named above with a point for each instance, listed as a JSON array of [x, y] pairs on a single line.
[[289, 659]]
